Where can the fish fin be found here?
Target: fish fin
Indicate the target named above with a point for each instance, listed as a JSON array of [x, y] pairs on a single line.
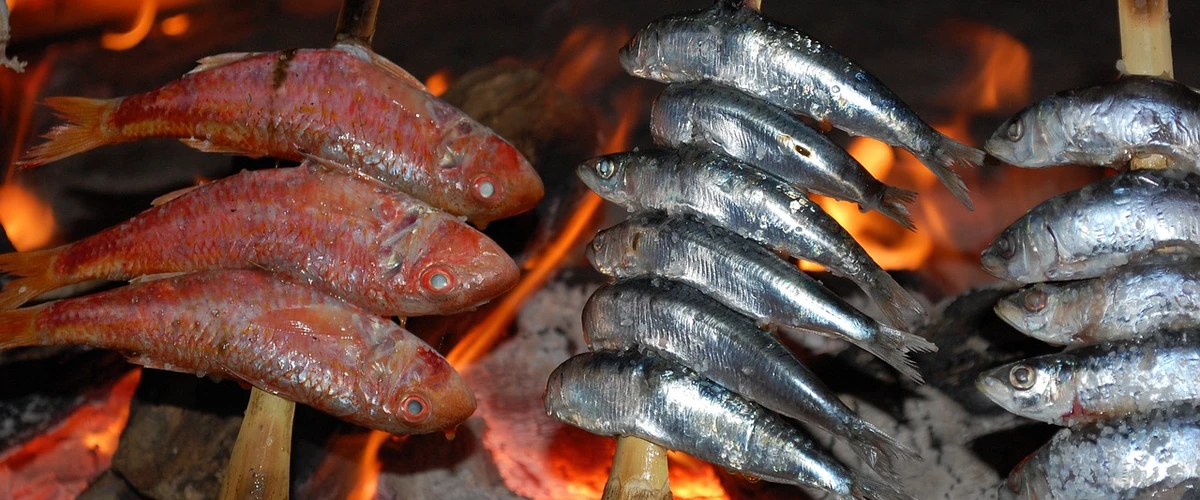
[[944, 157], [892, 347], [319, 164], [381, 62], [315, 321], [16, 327], [155, 277], [172, 195], [208, 146], [31, 276], [869, 489], [80, 133], [895, 302], [879, 450], [218, 60], [891, 204]]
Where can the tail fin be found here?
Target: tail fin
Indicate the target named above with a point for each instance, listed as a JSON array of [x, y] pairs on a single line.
[[892, 345], [16, 327], [31, 276], [893, 299], [942, 159], [891, 204], [879, 450], [80, 133], [870, 489]]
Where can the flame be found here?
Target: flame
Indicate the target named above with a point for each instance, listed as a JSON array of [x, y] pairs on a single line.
[[175, 25], [998, 77], [693, 478], [141, 27], [438, 82], [368, 468], [28, 221], [584, 61]]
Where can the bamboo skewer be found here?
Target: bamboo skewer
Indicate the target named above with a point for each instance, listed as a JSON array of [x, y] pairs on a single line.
[[639, 472], [1146, 50]]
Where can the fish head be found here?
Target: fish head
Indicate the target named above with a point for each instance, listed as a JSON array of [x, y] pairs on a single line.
[[496, 178], [455, 267], [1022, 253], [619, 248], [606, 175], [1054, 314], [667, 50], [1041, 388], [418, 389], [1033, 137]]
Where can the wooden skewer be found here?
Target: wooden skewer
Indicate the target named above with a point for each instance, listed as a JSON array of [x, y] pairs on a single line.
[[639, 472], [259, 467], [356, 21], [1146, 50]]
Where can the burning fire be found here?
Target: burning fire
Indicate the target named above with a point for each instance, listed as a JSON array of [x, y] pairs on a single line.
[[135, 34], [28, 221], [438, 82]]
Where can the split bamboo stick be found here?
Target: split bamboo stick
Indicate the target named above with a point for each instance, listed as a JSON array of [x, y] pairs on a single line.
[[1146, 50], [639, 472]]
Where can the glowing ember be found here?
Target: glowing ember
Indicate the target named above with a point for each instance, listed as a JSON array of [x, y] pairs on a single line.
[[28, 221], [175, 25], [438, 82], [62, 462], [141, 27]]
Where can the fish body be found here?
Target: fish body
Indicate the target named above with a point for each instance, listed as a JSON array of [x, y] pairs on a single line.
[[1105, 125], [345, 105], [351, 238], [283, 337], [756, 205], [1135, 457], [1084, 233], [1099, 381], [681, 324], [736, 46], [725, 120], [745, 277], [1130, 302], [630, 394]]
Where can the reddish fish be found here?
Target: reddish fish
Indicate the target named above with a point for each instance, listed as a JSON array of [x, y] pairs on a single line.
[[282, 337], [345, 105], [351, 238]]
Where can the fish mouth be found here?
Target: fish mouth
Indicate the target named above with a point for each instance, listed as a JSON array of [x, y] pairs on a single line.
[[1011, 314], [994, 389]]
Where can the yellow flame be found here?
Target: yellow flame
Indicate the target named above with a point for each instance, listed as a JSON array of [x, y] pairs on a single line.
[[141, 27]]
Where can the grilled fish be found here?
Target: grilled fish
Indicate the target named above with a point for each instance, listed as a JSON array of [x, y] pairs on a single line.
[[284, 338], [1134, 457], [1099, 381], [351, 238], [1106, 125], [749, 202], [346, 105], [1128, 303], [726, 120], [629, 394], [1084, 233], [734, 45], [746, 277]]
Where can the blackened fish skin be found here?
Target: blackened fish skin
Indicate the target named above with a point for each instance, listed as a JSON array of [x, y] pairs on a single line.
[[633, 394], [734, 45], [1105, 125]]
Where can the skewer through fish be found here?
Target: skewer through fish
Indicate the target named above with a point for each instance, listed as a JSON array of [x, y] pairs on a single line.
[[746, 277], [284, 338], [630, 394], [749, 202], [734, 45]]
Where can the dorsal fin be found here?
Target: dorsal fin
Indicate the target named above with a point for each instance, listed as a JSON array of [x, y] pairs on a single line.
[[381, 62], [210, 62], [172, 195], [322, 321]]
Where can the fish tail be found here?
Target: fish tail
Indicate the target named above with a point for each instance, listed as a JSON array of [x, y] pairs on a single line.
[[879, 450], [81, 132], [892, 346], [870, 489], [29, 274], [944, 157], [16, 327], [891, 204], [895, 302]]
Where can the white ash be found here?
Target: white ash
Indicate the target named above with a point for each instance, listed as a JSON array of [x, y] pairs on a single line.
[[5, 33]]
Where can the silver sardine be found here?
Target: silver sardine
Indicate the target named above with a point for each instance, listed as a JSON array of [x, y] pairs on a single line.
[[726, 120], [1099, 381], [746, 277], [749, 202], [1106, 125], [1084, 233], [1128, 303], [1140, 456], [631, 394], [681, 324], [736, 46]]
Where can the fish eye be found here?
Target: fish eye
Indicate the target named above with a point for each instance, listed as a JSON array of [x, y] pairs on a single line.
[[1005, 246], [1035, 300], [1015, 131], [437, 279], [606, 169], [414, 408], [485, 188], [1022, 377]]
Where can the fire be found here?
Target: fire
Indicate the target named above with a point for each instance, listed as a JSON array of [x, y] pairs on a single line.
[[368, 468], [175, 25], [141, 27], [28, 221], [438, 82], [999, 74]]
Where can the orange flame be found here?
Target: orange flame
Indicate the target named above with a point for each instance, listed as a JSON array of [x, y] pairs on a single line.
[[28, 221], [438, 82], [141, 27], [998, 77], [175, 25], [368, 468], [584, 61]]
